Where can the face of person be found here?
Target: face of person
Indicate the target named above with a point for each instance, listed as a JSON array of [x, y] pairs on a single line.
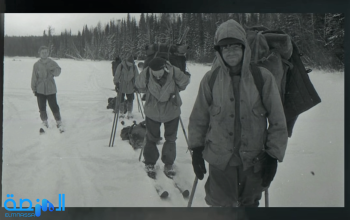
[[232, 54], [44, 53], [158, 74]]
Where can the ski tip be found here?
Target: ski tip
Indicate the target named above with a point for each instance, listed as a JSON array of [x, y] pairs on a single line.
[[164, 195], [41, 131], [186, 193]]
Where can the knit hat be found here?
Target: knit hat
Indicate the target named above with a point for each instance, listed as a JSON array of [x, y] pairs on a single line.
[[227, 41], [130, 59], [157, 63]]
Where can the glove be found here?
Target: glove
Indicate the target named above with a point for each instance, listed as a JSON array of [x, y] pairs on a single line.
[[117, 87], [187, 73], [269, 170], [198, 162], [136, 90], [35, 93]]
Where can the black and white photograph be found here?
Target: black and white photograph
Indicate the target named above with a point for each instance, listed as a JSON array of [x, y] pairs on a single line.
[[174, 109]]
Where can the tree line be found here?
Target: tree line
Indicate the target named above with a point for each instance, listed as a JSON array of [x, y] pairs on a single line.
[[319, 36]]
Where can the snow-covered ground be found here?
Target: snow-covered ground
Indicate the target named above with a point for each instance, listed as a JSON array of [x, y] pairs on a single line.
[[80, 164]]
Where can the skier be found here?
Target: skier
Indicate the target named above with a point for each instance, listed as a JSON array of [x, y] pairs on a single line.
[[161, 82], [44, 86], [228, 125], [124, 80]]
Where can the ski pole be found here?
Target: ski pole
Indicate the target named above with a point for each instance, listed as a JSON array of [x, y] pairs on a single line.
[[115, 121], [183, 129], [193, 189], [141, 153], [115, 130], [110, 139], [267, 198], [138, 102], [192, 192]]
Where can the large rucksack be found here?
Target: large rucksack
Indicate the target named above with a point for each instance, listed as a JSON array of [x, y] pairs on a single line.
[[275, 51], [175, 54], [135, 134], [113, 101]]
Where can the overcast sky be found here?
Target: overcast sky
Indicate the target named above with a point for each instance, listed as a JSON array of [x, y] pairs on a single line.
[[25, 24]]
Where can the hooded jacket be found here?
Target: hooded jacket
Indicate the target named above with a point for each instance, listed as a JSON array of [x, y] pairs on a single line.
[[42, 76], [211, 122], [125, 75], [163, 102]]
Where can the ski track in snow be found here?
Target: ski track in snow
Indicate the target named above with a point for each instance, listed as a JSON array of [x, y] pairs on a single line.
[[80, 164]]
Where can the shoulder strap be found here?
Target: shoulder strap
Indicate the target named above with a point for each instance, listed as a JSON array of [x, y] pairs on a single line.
[[147, 77], [258, 80], [213, 78]]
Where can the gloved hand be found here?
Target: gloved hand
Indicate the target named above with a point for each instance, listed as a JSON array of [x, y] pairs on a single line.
[[117, 87], [269, 170], [187, 73], [136, 90], [198, 162], [35, 93]]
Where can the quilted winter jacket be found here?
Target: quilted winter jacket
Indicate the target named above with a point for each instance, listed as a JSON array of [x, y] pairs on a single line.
[[163, 102], [125, 75], [211, 122], [42, 76]]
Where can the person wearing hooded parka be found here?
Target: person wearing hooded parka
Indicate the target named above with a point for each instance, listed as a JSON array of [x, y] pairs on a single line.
[[124, 80], [228, 125], [161, 82]]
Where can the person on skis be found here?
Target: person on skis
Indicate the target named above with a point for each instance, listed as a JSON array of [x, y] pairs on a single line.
[[161, 82], [228, 125], [44, 87], [124, 80]]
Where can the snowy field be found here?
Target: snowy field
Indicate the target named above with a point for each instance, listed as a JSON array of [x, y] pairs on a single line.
[[80, 164]]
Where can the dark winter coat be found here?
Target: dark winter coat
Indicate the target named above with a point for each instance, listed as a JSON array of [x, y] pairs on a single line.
[[125, 76], [42, 76], [162, 102], [211, 122]]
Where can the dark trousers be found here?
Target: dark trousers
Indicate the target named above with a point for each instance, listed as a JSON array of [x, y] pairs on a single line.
[[233, 187], [151, 153], [51, 99], [129, 97], [129, 102]]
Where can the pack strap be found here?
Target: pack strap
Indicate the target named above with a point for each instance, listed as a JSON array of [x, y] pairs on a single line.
[[258, 79]]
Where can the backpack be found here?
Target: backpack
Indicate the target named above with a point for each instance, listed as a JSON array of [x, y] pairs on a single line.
[[112, 102], [175, 54], [135, 134], [275, 51]]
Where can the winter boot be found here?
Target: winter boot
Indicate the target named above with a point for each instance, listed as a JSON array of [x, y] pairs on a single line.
[[130, 115], [130, 107], [59, 126], [151, 172], [169, 171], [46, 124], [121, 110]]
